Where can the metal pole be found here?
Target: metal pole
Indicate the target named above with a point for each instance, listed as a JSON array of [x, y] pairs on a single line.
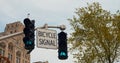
[[61, 27], [7, 36]]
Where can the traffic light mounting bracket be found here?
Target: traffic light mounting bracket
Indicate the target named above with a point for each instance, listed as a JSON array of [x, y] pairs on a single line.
[[61, 27]]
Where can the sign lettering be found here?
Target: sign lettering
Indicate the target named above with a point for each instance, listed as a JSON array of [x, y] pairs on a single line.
[[47, 38]]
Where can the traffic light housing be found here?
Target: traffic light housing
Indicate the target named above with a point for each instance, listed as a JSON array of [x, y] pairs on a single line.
[[62, 46], [29, 32]]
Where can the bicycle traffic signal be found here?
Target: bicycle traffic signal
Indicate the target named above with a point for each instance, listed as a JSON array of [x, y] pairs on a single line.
[[29, 32], [62, 46]]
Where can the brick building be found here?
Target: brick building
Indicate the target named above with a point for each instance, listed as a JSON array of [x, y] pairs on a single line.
[[13, 47]]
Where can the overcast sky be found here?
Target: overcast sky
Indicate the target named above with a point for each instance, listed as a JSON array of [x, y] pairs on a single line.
[[52, 12]]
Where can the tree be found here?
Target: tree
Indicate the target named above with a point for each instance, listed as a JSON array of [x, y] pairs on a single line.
[[96, 35]]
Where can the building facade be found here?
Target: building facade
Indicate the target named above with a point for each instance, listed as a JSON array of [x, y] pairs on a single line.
[[13, 47]]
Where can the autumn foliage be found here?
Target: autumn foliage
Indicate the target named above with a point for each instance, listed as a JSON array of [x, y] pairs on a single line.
[[96, 35]]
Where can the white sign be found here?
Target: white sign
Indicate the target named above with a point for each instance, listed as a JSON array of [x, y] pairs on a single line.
[[46, 38]]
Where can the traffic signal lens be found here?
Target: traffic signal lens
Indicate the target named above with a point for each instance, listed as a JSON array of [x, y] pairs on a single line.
[[29, 43], [62, 53]]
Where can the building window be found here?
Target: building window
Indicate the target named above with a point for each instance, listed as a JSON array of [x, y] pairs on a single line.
[[11, 32], [25, 61], [12, 26], [2, 45], [10, 47], [2, 52], [8, 27], [2, 60], [10, 56], [15, 31], [18, 56], [16, 24], [17, 60], [17, 43], [2, 48]]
